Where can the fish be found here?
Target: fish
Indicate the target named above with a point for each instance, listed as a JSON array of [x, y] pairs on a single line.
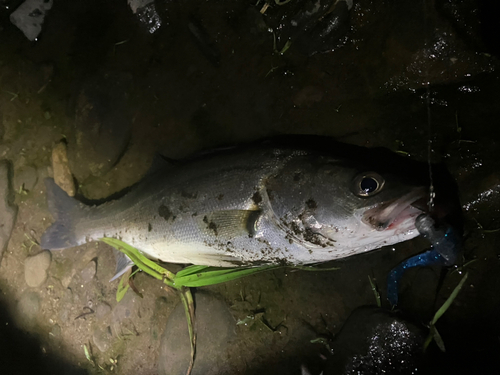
[[285, 200]]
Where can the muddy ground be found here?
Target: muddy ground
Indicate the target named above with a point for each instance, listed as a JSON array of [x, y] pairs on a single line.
[[116, 93]]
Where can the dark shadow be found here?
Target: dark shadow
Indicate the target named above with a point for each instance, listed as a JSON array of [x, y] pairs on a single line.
[[21, 353]]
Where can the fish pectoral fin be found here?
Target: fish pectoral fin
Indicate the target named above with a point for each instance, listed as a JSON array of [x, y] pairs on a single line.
[[123, 264], [230, 223]]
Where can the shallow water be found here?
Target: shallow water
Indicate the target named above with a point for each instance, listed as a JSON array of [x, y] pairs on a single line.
[[118, 94]]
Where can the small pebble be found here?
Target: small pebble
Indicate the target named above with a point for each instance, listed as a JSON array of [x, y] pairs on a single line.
[[88, 272], [102, 338], [35, 269], [55, 331], [60, 167], [102, 310]]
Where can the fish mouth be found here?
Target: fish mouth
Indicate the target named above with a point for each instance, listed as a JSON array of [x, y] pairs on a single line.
[[390, 214]]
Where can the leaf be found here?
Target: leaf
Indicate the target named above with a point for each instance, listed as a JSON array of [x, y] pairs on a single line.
[[122, 286], [141, 261], [428, 341], [437, 338], [216, 275], [189, 270], [375, 291], [187, 301], [88, 354], [449, 301], [433, 332]]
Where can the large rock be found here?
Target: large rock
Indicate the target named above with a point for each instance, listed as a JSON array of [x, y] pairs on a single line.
[[8, 210], [376, 341], [101, 130], [215, 327]]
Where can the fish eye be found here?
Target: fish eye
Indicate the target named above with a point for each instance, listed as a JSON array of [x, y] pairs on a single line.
[[368, 184]]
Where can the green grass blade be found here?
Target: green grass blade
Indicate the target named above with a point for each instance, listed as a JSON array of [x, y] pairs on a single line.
[[215, 275], [437, 338], [123, 286], [87, 354], [189, 270], [428, 341], [449, 301], [433, 332], [188, 303], [375, 292], [140, 260]]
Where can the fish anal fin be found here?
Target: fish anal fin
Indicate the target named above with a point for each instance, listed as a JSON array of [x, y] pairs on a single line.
[[123, 264]]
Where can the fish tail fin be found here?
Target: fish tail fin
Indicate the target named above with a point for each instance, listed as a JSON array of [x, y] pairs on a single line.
[[66, 212]]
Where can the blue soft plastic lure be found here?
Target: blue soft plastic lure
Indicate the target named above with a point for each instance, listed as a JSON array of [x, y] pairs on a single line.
[[446, 243]]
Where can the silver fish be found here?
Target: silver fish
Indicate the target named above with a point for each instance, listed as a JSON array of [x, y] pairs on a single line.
[[291, 200]]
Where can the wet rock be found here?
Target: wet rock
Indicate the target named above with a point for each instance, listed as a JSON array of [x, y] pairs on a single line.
[[29, 17], [60, 169], [215, 329], [88, 273], [376, 341], [440, 55], [312, 26], [25, 178], [102, 338], [29, 307], [8, 210], [145, 11], [329, 32], [102, 126], [35, 269]]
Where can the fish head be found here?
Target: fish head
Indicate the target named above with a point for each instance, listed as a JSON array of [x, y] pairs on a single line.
[[363, 208], [351, 206]]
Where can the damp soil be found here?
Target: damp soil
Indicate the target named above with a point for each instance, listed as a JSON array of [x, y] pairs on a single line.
[[421, 80]]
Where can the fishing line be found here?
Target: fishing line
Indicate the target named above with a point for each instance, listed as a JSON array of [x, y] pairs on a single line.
[[432, 194]]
